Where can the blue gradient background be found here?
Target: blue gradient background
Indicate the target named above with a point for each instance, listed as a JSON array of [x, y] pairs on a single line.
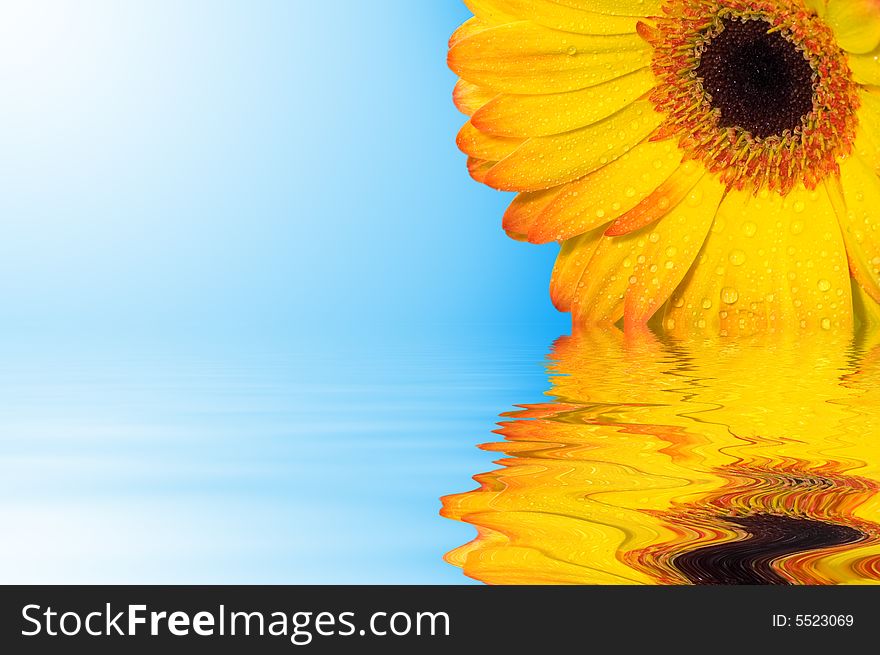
[[255, 315]]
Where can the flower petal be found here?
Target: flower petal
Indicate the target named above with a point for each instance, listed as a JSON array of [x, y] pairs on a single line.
[[525, 209], [856, 23], [637, 272], [526, 58], [856, 200], [769, 263], [468, 98], [573, 258], [865, 308], [485, 146], [491, 12], [867, 142], [606, 193], [668, 194], [683, 231], [570, 17], [546, 114], [866, 68], [478, 168], [468, 28], [544, 162], [639, 8]]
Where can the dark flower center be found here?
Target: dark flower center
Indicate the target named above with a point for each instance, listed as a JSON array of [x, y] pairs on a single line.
[[760, 81]]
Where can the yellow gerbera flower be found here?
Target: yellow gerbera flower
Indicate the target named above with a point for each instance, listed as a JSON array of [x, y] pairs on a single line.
[[710, 163]]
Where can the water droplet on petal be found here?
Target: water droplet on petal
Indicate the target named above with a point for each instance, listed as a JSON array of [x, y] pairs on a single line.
[[695, 197]]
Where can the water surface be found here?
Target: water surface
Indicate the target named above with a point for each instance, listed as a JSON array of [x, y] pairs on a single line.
[[617, 460], [223, 462]]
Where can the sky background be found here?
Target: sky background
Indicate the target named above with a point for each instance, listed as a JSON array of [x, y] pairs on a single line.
[[274, 170], [255, 314]]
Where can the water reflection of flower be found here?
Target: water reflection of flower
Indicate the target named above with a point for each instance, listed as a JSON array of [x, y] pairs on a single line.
[[650, 449]]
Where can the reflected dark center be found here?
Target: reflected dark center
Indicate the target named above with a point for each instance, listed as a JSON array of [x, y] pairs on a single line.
[[770, 537], [759, 81]]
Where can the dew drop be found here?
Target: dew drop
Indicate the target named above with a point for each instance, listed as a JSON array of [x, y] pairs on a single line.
[[824, 285], [729, 295], [737, 257]]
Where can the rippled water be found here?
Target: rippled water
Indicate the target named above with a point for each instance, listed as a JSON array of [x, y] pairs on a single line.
[[219, 461], [662, 462], [648, 461]]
